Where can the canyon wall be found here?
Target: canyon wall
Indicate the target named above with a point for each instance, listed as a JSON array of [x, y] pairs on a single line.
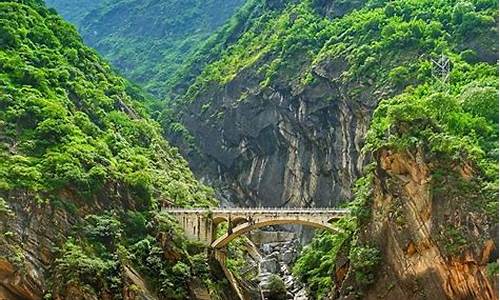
[[280, 145]]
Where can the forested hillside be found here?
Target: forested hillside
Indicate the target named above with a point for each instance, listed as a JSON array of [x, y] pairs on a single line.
[[74, 10], [83, 173], [147, 41], [283, 117]]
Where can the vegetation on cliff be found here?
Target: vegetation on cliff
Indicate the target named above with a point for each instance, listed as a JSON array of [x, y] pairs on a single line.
[[79, 154], [78, 145], [388, 52], [68, 122], [380, 41], [386, 48], [373, 47], [451, 117]]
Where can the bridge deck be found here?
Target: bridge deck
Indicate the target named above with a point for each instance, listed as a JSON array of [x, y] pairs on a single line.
[[258, 210]]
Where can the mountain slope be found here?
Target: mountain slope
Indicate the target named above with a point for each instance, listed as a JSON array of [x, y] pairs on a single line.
[[83, 172], [147, 40], [281, 113], [311, 92], [425, 222], [74, 10]]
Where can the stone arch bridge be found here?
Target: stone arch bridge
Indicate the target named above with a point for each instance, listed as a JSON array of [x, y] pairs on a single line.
[[201, 223]]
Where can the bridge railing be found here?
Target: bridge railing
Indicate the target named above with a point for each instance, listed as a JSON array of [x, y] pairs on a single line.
[[257, 210]]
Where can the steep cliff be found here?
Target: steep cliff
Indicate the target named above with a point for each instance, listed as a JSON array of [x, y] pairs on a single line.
[[425, 215], [274, 110], [83, 172], [437, 234], [279, 116], [431, 209]]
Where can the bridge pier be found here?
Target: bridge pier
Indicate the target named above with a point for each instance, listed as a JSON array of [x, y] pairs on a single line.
[[196, 226], [201, 225]]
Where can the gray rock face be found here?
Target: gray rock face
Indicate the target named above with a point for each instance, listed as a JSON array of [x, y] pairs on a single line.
[[301, 295], [266, 237], [279, 146], [289, 256], [277, 259], [269, 266]]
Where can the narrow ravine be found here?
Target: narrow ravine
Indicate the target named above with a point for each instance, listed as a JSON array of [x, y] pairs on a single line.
[[314, 149], [277, 250]]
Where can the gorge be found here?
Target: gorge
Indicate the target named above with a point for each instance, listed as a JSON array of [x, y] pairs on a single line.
[[387, 110]]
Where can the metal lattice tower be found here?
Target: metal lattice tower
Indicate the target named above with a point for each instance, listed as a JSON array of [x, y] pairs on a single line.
[[441, 68]]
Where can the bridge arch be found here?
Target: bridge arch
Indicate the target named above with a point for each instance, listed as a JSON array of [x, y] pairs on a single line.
[[238, 220], [201, 224], [218, 220], [249, 226], [229, 221]]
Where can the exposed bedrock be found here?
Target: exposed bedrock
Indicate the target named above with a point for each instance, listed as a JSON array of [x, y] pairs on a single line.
[[282, 145], [435, 243]]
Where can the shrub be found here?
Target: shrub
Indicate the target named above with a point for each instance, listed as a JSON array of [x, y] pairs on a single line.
[[106, 229], [364, 260], [76, 266], [277, 289]]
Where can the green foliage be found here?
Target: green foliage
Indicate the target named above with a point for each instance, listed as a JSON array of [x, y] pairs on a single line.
[[315, 264], [386, 42], [93, 259], [364, 260], [492, 269], [200, 266], [236, 254], [150, 48], [105, 229], [454, 241], [169, 278], [360, 206], [80, 267], [277, 289], [481, 101], [458, 123], [181, 270], [68, 123], [5, 208], [74, 136], [399, 75], [135, 225]]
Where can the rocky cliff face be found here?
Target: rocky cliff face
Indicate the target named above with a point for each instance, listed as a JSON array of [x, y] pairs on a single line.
[[31, 234], [277, 260], [283, 145], [279, 115], [279, 118], [435, 237]]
